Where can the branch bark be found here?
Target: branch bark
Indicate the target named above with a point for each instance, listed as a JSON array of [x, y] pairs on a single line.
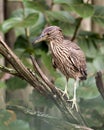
[[10, 71], [99, 83], [40, 83]]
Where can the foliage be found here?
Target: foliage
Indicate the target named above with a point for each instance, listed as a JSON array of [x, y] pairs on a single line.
[[2, 84], [8, 121], [34, 16], [11, 83]]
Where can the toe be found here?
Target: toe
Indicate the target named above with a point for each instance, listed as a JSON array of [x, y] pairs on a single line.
[[74, 104], [65, 94]]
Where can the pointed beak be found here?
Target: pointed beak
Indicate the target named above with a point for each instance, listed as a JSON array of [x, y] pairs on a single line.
[[39, 39]]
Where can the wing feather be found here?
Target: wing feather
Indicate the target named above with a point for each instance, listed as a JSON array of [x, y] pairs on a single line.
[[77, 59]]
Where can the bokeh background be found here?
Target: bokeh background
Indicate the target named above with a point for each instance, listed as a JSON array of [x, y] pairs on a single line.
[[23, 20]]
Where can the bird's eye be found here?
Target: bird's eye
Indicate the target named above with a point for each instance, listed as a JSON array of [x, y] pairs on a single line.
[[60, 30], [48, 34]]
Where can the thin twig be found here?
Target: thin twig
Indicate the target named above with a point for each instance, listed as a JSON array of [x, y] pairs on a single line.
[[76, 29], [10, 71]]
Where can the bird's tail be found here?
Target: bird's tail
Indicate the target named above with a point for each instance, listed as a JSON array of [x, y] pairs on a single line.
[[84, 75]]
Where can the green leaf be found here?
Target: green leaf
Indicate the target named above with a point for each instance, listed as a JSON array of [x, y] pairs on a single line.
[[34, 20], [88, 42], [98, 15], [30, 20], [38, 26], [19, 13], [37, 5], [23, 13], [68, 2], [84, 10], [61, 16], [10, 23], [88, 47], [23, 19], [16, 83]]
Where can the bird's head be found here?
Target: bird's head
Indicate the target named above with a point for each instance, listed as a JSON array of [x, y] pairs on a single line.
[[49, 33]]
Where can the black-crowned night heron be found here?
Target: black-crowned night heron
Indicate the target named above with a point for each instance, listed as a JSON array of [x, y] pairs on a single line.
[[67, 56]]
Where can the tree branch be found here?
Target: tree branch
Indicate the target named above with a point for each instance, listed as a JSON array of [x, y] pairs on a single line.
[[41, 74], [99, 83], [40, 83], [54, 120], [10, 71]]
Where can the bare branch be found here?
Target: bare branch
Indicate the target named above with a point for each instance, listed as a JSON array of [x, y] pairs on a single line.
[[9, 70], [99, 83]]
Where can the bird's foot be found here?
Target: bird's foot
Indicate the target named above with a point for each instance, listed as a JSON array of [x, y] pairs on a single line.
[[65, 93], [74, 104]]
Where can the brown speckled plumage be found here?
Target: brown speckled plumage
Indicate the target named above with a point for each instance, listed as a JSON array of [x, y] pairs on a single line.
[[67, 55]]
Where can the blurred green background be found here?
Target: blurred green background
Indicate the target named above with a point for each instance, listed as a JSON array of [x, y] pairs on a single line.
[[21, 22]]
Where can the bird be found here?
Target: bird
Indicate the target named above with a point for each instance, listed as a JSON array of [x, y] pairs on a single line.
[[67, 57]]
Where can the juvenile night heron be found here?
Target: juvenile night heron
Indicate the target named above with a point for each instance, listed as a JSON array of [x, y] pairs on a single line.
[[67, 56]]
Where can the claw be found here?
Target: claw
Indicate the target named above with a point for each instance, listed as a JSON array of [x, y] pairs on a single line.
[[74, 101], [65, 93], [74, 104]]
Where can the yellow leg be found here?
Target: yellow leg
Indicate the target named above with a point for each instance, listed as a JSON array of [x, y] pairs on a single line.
[[74, 100], [66, 90]]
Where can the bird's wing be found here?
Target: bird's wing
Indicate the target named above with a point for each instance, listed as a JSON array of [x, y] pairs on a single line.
[[77, 58]]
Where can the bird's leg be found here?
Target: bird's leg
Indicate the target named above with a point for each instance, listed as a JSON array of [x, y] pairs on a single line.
[[66, 89], [74, 100]]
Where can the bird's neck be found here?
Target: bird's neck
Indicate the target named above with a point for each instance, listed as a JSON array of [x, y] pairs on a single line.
[[55, 45], [56, 40]]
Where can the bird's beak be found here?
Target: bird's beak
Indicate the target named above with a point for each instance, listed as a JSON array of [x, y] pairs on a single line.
[[42, 37]]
